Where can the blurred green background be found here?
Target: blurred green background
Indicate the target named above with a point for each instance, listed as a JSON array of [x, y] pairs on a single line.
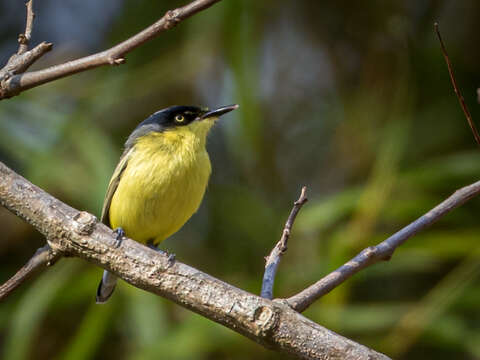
[[349, 98]]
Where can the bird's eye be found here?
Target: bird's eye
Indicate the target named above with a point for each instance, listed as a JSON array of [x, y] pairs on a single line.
[[179, 119]]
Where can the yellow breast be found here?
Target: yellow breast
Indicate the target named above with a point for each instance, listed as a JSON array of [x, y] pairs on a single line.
[[162, 186]]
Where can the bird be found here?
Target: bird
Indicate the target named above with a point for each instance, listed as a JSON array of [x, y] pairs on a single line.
[[160, 179]]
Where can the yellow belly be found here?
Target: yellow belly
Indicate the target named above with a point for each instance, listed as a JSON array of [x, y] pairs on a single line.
[[161, 187]]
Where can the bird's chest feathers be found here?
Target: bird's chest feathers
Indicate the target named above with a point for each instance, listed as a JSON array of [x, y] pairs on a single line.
[[176, 160], [169, 173]]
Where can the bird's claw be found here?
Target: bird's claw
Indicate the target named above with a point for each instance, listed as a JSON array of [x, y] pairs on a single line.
[[170, 256], [171, 259], [119, 235]]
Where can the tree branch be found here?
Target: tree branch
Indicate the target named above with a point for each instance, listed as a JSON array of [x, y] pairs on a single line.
[[273, 259], [382, 251], [461, 100], [42, 258], [270, 323], [14, 85]]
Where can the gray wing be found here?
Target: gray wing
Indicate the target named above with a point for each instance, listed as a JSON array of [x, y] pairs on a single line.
[[112, 186]]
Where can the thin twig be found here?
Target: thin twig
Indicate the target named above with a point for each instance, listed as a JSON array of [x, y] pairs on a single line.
[[455, 87], [273, 259], [24, 39], [113, 56], [42, 258], [382, 251]]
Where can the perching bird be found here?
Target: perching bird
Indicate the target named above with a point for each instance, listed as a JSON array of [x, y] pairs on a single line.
[[160, 179]]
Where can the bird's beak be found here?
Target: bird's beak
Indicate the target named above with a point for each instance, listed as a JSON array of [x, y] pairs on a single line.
[[219, 111]]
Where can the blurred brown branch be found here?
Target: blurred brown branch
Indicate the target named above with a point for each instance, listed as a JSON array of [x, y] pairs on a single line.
[[42, 258], [273, 259], [270, 323], [461, 100], [382, 251], [13, 82]]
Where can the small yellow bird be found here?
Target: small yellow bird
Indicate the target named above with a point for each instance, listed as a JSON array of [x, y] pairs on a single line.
[[160, 179]]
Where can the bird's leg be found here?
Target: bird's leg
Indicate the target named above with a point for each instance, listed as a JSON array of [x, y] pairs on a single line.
[[119, 235], [171, 257]]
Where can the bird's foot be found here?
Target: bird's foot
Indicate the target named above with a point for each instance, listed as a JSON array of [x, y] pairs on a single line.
[[119, 235], [170, 256]]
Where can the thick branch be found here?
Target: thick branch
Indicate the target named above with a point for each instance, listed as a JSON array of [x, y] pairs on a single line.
[[382, 251], [113, 56], [273, 259], [270, 323], [42, 258], [461, 100]]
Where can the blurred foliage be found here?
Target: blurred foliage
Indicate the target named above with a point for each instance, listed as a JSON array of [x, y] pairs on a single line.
[[351, 99]]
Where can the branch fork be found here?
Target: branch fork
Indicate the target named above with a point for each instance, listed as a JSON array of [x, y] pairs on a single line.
[[19, 62]]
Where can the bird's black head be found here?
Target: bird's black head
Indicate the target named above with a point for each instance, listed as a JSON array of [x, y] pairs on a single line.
[[180, 115], [173, 117]]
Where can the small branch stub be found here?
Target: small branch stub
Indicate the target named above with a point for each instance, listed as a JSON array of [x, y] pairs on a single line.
[[85, 223], [171, 17], [266, 320]]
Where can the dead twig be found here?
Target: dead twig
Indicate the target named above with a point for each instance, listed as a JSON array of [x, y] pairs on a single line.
[[455, 87], [273, 259]]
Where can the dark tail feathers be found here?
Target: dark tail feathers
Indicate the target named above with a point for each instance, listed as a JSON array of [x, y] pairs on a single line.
[[106, 287]]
